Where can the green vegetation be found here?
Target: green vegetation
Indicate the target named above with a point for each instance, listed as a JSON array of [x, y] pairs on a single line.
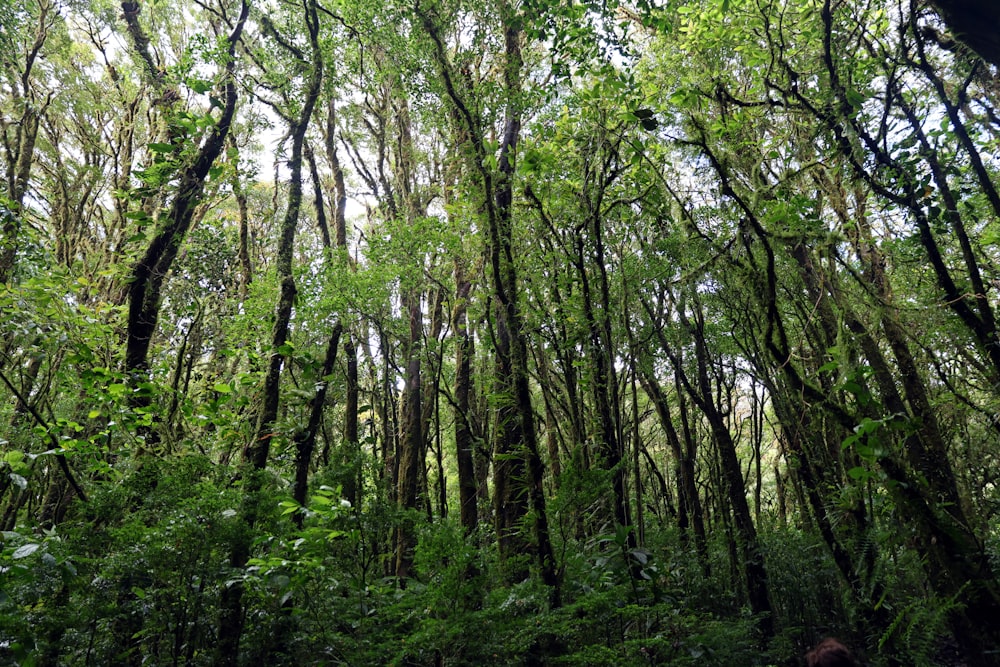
[[515, 333]]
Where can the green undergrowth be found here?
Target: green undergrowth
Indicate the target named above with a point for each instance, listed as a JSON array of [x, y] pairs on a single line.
[[136, 575]]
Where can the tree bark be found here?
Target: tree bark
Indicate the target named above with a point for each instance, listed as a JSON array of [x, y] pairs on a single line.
[[147, 276], [255, 454], [464, 439], [518, 470], [411, 438], [21, 150]]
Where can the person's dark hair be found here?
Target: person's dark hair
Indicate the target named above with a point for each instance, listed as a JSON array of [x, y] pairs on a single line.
[[830, 653]]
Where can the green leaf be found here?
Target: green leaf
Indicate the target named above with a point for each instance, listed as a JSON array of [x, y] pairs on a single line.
[[25, 550], [855, 98], [859, 473], [222, 388], [853, 387], [158, 147], [18, 481], [640, 556], [682, 97], [200, 86]]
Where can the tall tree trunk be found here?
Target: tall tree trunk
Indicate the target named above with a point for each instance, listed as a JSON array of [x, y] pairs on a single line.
[[411, 438], [351, 454], [21, 147], [464, 439], [604, 381], [750, 556], [256, 453], [689, 513], [518, 470], [431, 409], [637, 448], [305, 439], [147, 276]]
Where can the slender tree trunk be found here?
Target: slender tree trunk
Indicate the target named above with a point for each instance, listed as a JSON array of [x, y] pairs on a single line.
[[751, 557], [10, 227], [305, 439], [352, 457], [21, 151], [147, 276], [604, 381], [431, 409], [243, 250], [689, 512], [256, 453], [637, 447], [518, 470], [464, 439]]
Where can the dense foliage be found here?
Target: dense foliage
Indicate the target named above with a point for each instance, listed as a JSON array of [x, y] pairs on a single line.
[[511, 333]]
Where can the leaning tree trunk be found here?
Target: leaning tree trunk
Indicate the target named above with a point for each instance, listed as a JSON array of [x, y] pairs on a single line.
[[701, 391], [147, 276]]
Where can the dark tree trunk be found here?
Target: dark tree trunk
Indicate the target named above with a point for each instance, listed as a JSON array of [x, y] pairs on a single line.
[[352, 455], [147, 276], [255, 454], [750, 556], [464, 438], [976, 23], [411, 439], [689, 514], [518, 469], [305, 439], [21, 147]]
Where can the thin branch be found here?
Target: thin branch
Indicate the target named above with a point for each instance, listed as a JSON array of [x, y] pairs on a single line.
[[63, 464]]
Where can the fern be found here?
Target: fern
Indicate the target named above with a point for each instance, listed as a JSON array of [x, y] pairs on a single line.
[[919, 625]]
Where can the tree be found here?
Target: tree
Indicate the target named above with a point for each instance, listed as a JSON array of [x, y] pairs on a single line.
[[441, 333], [145, 282], [518, 467]]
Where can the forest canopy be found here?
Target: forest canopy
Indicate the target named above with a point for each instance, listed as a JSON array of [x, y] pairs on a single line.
[[538, 332]]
